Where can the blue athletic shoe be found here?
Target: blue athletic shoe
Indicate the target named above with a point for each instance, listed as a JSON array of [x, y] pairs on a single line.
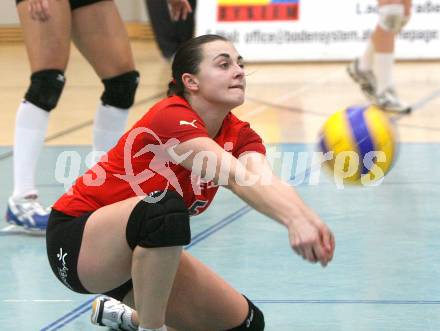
[[28, 213]]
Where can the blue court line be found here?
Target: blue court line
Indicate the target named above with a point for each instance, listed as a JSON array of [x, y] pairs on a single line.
[[71, 318], [79, 308], [423, 101], [292, 301], [357, 302], [218, 226]]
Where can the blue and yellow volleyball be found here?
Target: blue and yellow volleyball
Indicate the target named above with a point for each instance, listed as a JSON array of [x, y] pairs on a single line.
[[362, 142]]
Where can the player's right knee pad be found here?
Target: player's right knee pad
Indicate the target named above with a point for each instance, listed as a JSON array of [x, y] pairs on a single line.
[[120, 90], [46, 88], [161, 224], [392, 17], [254, 320]]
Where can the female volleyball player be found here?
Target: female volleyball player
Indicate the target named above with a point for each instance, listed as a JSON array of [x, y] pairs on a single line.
[[373, 71], [120, 229], [99, 33]]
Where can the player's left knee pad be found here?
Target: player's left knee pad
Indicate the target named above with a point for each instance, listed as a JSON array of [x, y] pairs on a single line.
[[46, 88], [254, 320], [161, 224], [120, 90], [392, 17]]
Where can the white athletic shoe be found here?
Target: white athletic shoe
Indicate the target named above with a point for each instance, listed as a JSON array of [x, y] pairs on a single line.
[[365, 79], [112, 313], [28, 213], [389, 101]]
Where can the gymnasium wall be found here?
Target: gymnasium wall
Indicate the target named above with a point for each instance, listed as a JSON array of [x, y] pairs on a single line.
[[132, 11]]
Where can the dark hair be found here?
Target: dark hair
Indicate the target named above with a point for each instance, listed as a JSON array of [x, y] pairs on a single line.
[[187, 60]]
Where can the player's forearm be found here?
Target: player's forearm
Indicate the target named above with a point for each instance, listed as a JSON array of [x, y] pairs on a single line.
[[277, 200], [270, 197]]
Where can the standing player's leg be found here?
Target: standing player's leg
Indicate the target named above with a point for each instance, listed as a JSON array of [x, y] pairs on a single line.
[[169, 35], [100, 35], [373, 71], [47, 45], [361, 71], [185, 29], [392, 17], [165, 31]]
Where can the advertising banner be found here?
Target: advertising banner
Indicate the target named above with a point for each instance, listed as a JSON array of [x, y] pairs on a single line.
[[314, 30]]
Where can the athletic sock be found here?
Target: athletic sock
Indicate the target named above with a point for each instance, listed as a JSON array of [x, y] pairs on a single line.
[[30, 130], [109, 126], [367, 58], [383, 70]]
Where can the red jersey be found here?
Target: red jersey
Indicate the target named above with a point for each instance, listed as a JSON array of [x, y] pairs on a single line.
[[139, 164]]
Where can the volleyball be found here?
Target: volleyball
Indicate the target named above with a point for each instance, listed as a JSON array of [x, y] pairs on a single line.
[[359, 144]]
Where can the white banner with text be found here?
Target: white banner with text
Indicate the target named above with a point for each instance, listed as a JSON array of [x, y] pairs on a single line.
[[314, 30]]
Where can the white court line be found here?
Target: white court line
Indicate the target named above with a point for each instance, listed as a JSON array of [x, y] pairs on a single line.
[[8, 228], [15, 229], [35, 300], [287, 96], [420, 103]]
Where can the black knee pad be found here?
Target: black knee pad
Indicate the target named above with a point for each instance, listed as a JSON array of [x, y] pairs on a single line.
[[254, 320], [46, 88], [120, 90], [161, 224]]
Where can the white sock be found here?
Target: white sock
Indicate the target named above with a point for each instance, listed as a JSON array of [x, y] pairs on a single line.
[[30, 130], [383, 69], [109, 126], [163, 328], [366, 60]]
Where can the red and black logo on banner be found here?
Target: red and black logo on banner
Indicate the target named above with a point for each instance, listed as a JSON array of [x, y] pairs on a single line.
[[277, 10]]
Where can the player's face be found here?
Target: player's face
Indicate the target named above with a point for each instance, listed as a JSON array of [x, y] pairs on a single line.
[[221, 74]]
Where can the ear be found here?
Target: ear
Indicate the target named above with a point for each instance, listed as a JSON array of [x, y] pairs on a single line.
[[191, 83]]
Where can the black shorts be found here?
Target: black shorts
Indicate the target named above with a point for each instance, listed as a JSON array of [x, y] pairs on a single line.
[[74, 4], [63, 241]]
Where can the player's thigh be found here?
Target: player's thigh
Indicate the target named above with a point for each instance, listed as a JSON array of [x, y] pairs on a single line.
[[100, 35], [202, 300], [47, 43], [104, 261]]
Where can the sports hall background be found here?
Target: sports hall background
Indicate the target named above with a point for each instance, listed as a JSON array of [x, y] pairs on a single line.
[[387, 264]]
